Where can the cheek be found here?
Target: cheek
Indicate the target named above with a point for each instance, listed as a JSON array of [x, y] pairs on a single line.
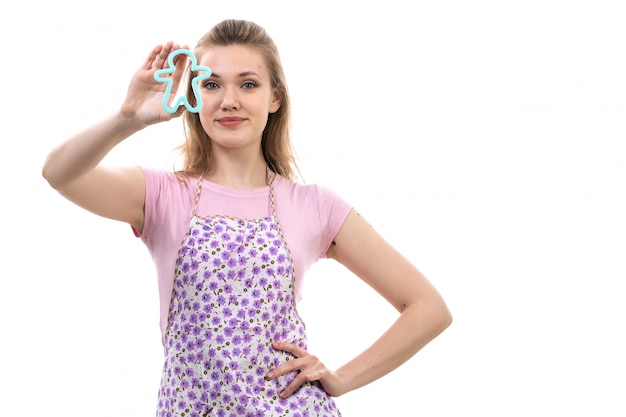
[[207, 111], [208, 100], [205, 118]]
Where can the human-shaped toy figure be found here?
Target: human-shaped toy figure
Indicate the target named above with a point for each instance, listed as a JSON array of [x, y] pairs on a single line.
[[164, 75]]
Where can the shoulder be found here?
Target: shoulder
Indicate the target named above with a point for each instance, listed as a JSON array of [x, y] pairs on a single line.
[[315, 196], [166, 188], [303, 191], [168, 201], [159, 175], [161, 179]]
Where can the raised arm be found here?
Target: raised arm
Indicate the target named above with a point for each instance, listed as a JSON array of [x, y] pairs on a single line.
[[73, 168]]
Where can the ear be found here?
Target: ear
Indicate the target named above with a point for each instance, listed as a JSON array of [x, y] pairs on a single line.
[[276, 101]]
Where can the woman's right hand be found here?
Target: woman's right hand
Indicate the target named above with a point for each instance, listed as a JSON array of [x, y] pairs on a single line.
[[144, 99], [73, 167]]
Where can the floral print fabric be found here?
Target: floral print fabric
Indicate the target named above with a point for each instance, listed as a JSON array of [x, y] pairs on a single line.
[[233, 296]]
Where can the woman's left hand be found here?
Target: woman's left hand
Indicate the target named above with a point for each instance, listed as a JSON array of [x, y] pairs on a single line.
[[311, 369]]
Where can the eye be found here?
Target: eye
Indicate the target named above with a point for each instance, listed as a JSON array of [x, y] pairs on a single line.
[[248, 84], [210, 85]]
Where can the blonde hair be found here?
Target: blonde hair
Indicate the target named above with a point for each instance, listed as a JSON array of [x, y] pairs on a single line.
[[275, 143]]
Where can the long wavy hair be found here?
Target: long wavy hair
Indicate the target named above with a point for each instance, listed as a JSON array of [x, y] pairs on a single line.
[[275, 143]]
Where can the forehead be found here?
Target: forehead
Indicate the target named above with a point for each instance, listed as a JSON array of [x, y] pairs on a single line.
[[233, 59]]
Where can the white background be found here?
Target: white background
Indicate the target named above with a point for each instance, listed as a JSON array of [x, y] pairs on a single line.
[[484, 139]]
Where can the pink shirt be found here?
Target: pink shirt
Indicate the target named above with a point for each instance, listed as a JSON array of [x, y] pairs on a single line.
[[309, 215]]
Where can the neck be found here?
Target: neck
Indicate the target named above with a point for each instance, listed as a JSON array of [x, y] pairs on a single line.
[[237, 172]]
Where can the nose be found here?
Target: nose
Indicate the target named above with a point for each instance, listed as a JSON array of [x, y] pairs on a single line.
[[230, 99]]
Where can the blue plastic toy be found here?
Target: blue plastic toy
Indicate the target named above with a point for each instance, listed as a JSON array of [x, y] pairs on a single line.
[[194, 82]]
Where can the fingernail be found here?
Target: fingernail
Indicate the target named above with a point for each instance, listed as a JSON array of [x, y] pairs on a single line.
[[270, 375]]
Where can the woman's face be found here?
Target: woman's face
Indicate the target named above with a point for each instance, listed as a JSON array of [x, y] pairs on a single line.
[[238, 97]]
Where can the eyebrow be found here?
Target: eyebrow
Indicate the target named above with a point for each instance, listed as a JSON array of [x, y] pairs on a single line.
[[241, 75]]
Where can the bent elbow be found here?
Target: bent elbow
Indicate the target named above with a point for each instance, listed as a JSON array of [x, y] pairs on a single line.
[[441, 318], [51, 175], [52, 182], [45, 173], [446, 319]]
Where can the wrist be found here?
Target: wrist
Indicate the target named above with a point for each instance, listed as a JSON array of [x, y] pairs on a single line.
[[128, 122]]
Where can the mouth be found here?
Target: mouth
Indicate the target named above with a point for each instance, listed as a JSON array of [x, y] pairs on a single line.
[[230, 121]]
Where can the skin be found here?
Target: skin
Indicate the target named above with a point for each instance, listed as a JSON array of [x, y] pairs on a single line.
[[237, 99]]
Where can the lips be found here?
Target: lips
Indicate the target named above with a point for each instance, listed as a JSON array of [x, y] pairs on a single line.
[[230, 121]]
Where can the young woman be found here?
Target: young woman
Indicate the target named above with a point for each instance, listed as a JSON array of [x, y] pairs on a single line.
[[232, 234]]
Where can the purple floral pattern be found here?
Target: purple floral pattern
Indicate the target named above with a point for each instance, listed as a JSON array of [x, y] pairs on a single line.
[[233, 295]]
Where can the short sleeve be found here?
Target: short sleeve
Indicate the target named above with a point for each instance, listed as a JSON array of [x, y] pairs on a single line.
[[333, 211], [168, 205], [155, 181]]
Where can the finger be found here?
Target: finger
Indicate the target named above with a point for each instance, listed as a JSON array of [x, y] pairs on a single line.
[[180, 111], [288, 366], [177, 57], [181, 62], [301, 379], [147, 64], [180, 70], [161, 58], [293, 386], [292, 348]]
